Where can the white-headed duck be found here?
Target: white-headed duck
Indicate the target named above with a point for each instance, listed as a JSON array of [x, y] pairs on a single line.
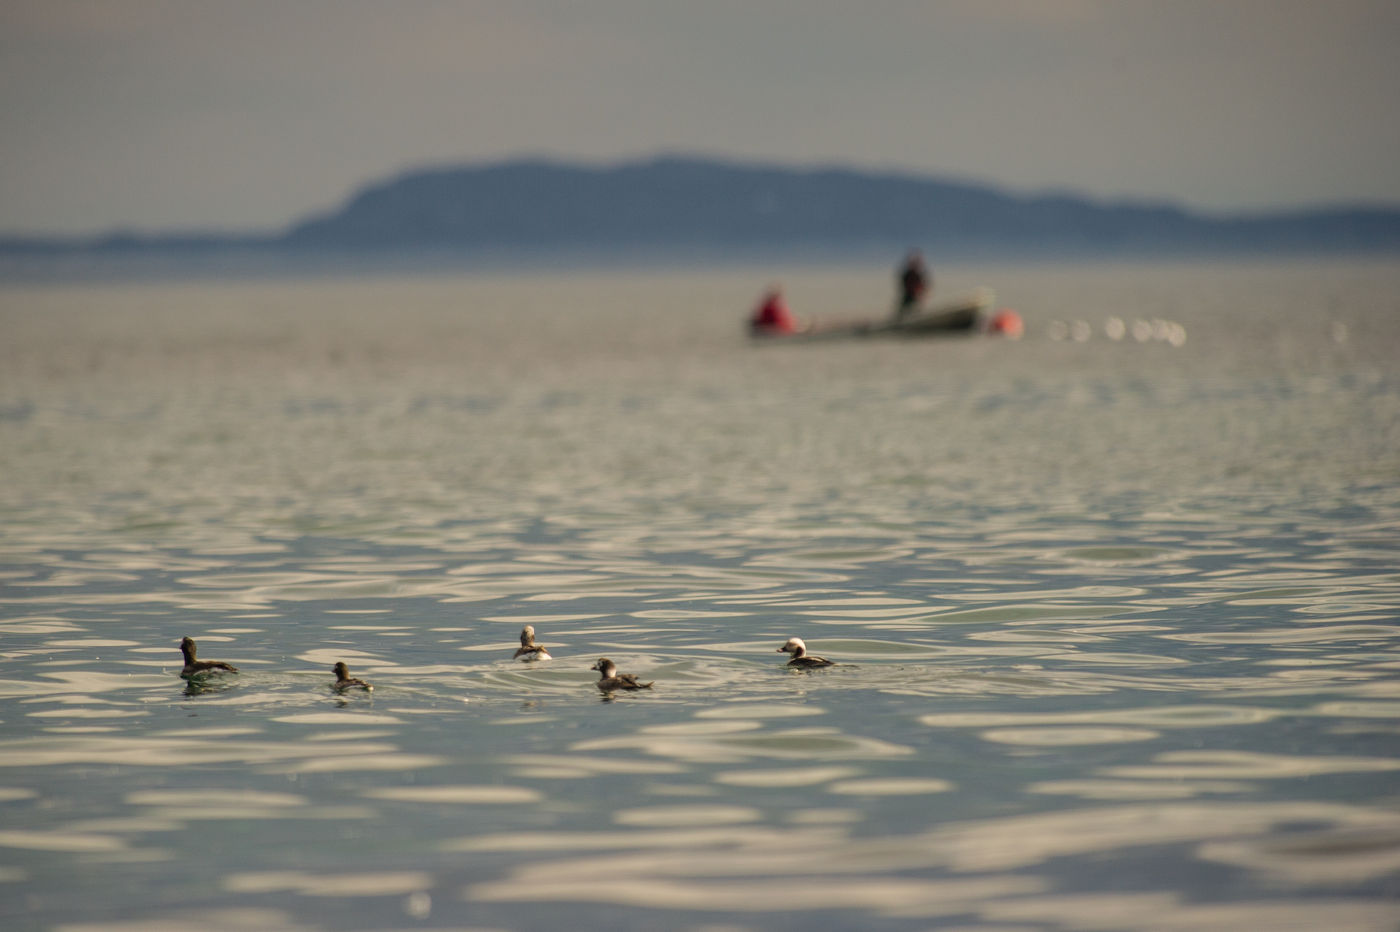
[[528, 649], [800, 657]]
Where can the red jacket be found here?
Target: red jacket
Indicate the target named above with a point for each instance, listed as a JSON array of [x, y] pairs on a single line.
[[773, 316]]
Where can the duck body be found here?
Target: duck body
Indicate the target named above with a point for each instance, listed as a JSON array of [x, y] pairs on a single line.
[[800, 658], [344, 681], [609, 679], [195, 667], [528, 649]]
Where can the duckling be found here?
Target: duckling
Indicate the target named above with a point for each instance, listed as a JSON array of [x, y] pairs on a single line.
[[800, 658], [344, 681], [610, 679], [195, 667], [528, 649]]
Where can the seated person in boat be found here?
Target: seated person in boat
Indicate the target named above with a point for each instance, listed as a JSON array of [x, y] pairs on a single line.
[[772, 316], [915, 282]]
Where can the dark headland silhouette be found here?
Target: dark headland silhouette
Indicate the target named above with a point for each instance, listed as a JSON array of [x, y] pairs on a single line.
[[709, 208]]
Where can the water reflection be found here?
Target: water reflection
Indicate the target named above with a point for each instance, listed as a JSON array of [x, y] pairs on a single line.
[[1173, 765], [336, 885], [207, 687], [1340, 857], [489, 795], [1176, 914], [886, 897], [792, 743], [1118, 641], [704, 870]]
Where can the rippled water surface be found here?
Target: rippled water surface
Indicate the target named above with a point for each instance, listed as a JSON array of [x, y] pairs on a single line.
[[1116, 618]]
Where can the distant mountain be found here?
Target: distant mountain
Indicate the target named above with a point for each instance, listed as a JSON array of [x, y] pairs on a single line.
[[683, 204]]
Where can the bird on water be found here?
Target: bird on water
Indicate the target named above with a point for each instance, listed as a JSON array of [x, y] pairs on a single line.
[[610, 679], [528, 649], [195, 667], [344, 681], [800, 657]]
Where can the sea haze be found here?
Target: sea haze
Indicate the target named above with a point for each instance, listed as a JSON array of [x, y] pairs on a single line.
[[1114, 605]]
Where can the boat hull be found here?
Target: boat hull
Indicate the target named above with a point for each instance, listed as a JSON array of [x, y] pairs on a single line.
[[952, 318]]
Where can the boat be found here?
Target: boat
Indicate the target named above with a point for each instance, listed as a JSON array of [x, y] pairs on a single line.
[[962, 315]]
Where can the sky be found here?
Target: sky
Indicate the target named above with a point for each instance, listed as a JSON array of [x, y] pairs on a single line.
[[246, 115]]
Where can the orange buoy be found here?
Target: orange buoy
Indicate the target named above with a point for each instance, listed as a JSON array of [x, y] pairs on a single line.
[[1007, 323]]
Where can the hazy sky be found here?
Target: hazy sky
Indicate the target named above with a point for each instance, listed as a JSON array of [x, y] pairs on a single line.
[[246, 114]]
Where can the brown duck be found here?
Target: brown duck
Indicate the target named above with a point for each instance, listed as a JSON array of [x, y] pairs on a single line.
[[344, 681], [610, 679], [195, 667]]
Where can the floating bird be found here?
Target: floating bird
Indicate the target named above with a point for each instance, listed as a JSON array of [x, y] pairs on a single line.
[[195, 667], [528, 649], [610, 679], [344, 681], [798, 650]]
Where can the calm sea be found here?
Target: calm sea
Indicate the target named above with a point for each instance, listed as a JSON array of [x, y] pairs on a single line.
[[1114, 605]]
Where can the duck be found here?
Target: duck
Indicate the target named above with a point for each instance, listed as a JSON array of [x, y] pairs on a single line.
[[528, 649], [195, 667], [344, 681], [610, 679], [800, 657]]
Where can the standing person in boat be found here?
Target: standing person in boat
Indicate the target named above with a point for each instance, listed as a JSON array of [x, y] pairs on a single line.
[[772, 317], [915, 281]]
